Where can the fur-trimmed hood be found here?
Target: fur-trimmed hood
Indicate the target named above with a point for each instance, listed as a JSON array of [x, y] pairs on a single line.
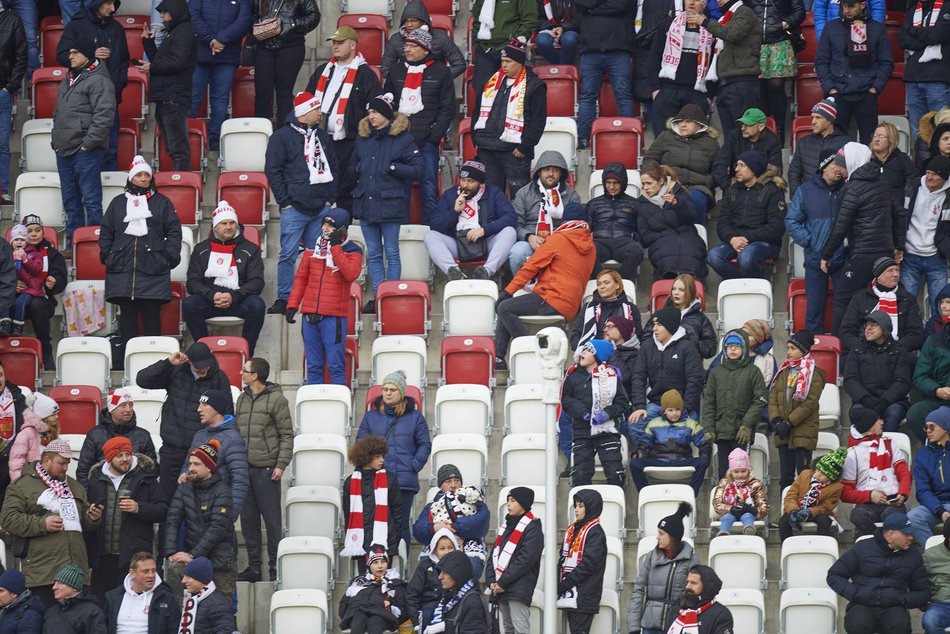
[[143, 462], [771, 175], [399, 125], [712, 132], [930, 121]]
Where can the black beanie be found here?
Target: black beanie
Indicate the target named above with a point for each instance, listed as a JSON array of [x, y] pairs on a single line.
[[86, 46], [673, 524], [383, 104], [882, 264], [515, 50], [803, 340], [523, 496], [862, 419], [825, 157], [669, 317]]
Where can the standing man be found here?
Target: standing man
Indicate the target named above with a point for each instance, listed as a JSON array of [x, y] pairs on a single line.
[[74, 610], [928, 232], [82, 120], [495, 25], [263, 419], [116, 420], [925, 38], [825, 135], [752, 134], [303, 173], [143, 603], [13, 64]]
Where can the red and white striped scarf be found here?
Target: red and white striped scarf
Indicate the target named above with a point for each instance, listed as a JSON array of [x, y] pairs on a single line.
[[673, 52], [221, 265], [713, 74], [514, 109], [738, 493], [572, 550], [551, 208], [933, 51], [189, 612], [687, 621], [44, 254], [549, 12], [501, 557], [339, 112], [806, 372], [353, 546], [410, 99], [880, 461], [887, 301]]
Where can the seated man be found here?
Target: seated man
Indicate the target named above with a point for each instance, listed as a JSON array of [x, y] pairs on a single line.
[[752, 134], [885, 294], [613, 221], [479, 217], [933, 490], [225, 279]]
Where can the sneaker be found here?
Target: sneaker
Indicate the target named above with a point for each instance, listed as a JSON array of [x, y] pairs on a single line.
[[481, 273], [583, 144], [6, 199], [500, 364], [252, 576], [279, 307], [564, 475], [455, 273], [17, 329], [370, 307], [748, 530]]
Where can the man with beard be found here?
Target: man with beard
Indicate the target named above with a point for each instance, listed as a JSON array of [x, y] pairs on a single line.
[[699, 611], [752, 134], [117, 420]]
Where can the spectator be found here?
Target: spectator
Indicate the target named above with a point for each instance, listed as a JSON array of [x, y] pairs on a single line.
[[935, 618], [752, 134], [48, 511], [613, 223], [932, 380], [263, 419], [793, 406], [666, 222], [684, 296], [927, 127], [170, 68], [827, 11], [375, 498], [424, 589], [733, 400], [508, 118], [126, 486], [778, 61], [117, 420], [472, 210], [201, 518], [874, 227], [751, 219], [225, 279], [699, 602], [557, 36], [621, 332], [825, 135], [207, 606], [12, 408], [323, 300], [897, 168], [20, 611], [877, 372], [561, 265], [27, 13], [69, 8], [494, 27], [375, 600], [813, 497], [515, 562], [220, 28], [96, 22], [28, 263], [877, 490], [759, 334], [606, 42], [83, 116], [540, 206], [583, 561], [661, 578], [940, 316], [185, 377], [689, 145], [40, 310], [740, 496], [304, 189], [399, 419], [40, 426], [8, 276], [346, 84], [609, 300], [884, 294], [882, 578], [416, 16], [928, 242], [925, 38], [385, 161], [74, 610], [143, 603], [427, 97], [139, 244], [13, 56], [461, 606], [933, 492]]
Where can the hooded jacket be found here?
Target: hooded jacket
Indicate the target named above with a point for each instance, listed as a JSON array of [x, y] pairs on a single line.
[[878, 375], [265, 424], [322, 290], [743, 43], [535, 113], [828, 496], [804, 162], [801, 415], [77, 615], [287, 172], [735, 394], [716, 619], [247, 259], [222, 20], [872, 574], [624, 359], [660, 585], [529, 199], [613, 217], [385, 162], [424, 589], [173, 64], [935, 323], [933, 364], [27, 446], [940, 200], [104, 32], [691, 156], [588, 576], [407, 437], [23, 616], [915, 40], [105, 430], [827, 11], [674, 366], [669, 232], [365, 86], [910, 331], [232, 458], [832, 64], [438, 97], [521, 576], [469, 615], [12, 51], [563, 265], [369, 508], [734, 144], [926, 132], [297, 18], [206, 510], [932, 477], [615, 307], [810, 217], [443, 47], [698, 327], [577, 400], [756, 212], [85, 111], [606, 25], [164, 613], [494, 212]]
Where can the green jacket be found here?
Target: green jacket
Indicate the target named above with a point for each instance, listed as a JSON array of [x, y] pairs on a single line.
[[23, 517], [933, 365], [735, 395], [266, 427], [743, 44], [513, 18], [937, 560]]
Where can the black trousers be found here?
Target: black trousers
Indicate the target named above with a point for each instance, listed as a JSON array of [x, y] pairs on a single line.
[[344, 152], [855, 276], [785, 526], [865, 619], [129, 310], [863, 516], [39, 312], [263, 500], [734, 98], [509, 326], [172, 119], [861, 106], [670, 99], [275, 71], [579, 622], [108, 573], [625, 250], [792, 462], [502, 168], [363, 624], [607, 446]]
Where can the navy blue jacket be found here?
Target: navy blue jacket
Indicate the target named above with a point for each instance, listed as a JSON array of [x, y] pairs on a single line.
[[287, 171], [232, 458], [407, 437], [467, 526], [495, 212], [105, 32], [384, 163], [227, 21], [810, 217], [831, 61], [23, 616], [932, 477]]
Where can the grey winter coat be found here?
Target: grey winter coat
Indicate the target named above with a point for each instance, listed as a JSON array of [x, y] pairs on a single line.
[[265, 424], [529, 198], [660, 585], [85, 111], [692, 157], [443, 48]]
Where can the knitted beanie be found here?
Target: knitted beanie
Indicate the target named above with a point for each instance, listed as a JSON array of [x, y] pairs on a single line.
[[831, 463], [671, 399], [673, 524], [72, 575]]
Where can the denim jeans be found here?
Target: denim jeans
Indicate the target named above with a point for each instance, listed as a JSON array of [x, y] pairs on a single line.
[[816, 296], [81, 188], [294, 225], [69, 8], [519, 255], [922, 97], [892, 416], [251, 309], [325, 342], [748, 262], [564, 54], [20, 307], [593, 65], [6, 114], [727, 520], [922, 521], [220, 76], [934, 267], [429, 184], [701, 203], [937, 617], [26, 11], [380, 236]]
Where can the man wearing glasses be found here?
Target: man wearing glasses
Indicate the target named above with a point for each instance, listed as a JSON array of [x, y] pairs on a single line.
[[933, 490]]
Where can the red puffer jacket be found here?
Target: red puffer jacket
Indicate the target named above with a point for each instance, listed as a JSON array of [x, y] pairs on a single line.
[[321, 290]]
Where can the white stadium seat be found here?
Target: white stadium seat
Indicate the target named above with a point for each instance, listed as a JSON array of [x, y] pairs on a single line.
[[38, 193], [808, 611], [305, 562], [806, 560], [743, 299], [597, 183], [303, 610], [319, 460], [560, 135], [244, 144], [468, 307], [524, 409], [324, 409], [463, 408], [468, 452], [84, 361], [36, 153], [312, 510], [399, 352], [614, 516], [748, 610], [141, 352], [113, 184], [739, 560], [180, 272], [901, 441], [522, 460], [524, 365], [656, 501], [413, 255], [148, 407]]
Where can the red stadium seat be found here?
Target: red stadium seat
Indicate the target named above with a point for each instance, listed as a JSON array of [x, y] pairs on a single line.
[[563, 84], [197, 140], [130, 139], [826, 351], [771, 125], [86, 254], [402, 308], [248, 193], [797, 306], [22, 359], [465, 144], [51, 31], [468, 91], [170, 314], [801, 126], [79, 407], [441, 9], [893, 28], [354, 314], [375, 391], [45, 85], [893, 99], [253, 234], [468, 360], [49, 234], [607, 101], [660, 291], [616, 140], [242, 92], [231, 353], [134, 106], [133, 25], [811, 39], [470, 40], [373, 31], [443, 22], [808, 92], [184, 189], [352, 363]]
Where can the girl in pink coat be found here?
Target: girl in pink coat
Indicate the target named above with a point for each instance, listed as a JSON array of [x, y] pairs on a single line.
[[40, 425]]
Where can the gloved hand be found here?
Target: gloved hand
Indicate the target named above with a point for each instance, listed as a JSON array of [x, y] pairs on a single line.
[[502, 296], [799, 516], [601, 417], [337, 236], [744, 435], [782, 427], [289, 315], [587, 417], [710, 437]]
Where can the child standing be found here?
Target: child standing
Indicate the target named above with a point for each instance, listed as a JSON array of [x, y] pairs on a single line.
[[739, 496], [793, 406], [425, 588], [814, 496], [582, 563], [374, 602], [594, 398], [29, 271]]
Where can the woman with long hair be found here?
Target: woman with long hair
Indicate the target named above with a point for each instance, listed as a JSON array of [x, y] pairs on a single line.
[[609, 300], [685, 298]]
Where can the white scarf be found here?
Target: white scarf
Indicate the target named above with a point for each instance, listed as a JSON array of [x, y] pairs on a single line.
[[354, 528], [713, 73], [136, 213], [58, 499], [673, 52], [933, 51], [514, 109], [221, 266], [410, 99], [501, 557], [321, 251], [486, 20], [189, 611], [468, 218], [887, 302], [552, 208], [314, 155], [658, 199], [603, 386]]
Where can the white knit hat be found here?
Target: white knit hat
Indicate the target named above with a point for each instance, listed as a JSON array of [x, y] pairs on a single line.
[[44, 406], [224, 211], [119, 397], [139, 164]]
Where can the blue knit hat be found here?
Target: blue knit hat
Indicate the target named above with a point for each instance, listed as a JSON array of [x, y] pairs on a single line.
[[940, 416], [13, 581], [601, 348], [200, 569]]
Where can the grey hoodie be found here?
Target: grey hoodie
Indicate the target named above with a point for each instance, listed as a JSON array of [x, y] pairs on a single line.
[[528, 199], [443, 48]]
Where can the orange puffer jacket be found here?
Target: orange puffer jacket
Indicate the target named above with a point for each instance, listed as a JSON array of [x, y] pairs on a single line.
[[321, 290]]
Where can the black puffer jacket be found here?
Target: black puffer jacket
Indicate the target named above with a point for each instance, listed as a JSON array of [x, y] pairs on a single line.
[[915, 40], [365, 86], [756, 212], [521, 576], [875, 575], [698, 327], [369, 507], [57, 269], [772, 13], [616, 307], [12, 51], [624, 359], [606, 25], [206, 510], [443, 48], [677, 367], [613, 217], [669, 232], [804, 162], [577, 400], [140, 267], [78, 615], [247, 258], [215, 615], [173, 64], [734, 144], [588, 576], [104, 32], [535, 118], [899, 174], [438, 100], [877, 376], [867, 217], [910, 329], [106, 430], [180, 410], [297, 18], [716, 619]]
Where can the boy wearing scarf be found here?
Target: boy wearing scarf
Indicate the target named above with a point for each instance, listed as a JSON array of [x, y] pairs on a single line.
[[582, 563], [512, 573], [814, 496], [875, 476], [204, 608], [461, 608], [375, 601], [699, 612]]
